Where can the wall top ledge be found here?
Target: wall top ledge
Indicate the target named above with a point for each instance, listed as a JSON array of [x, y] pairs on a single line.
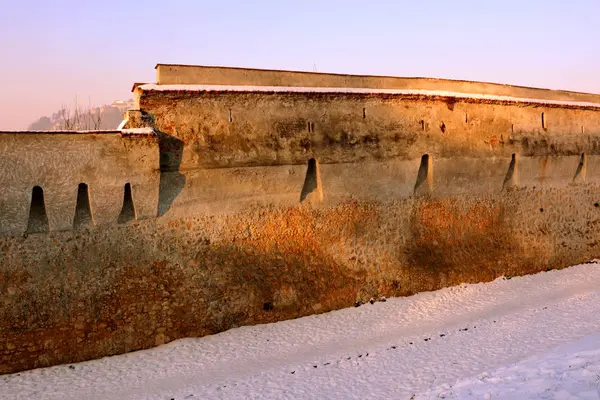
[[417, 93], [122, 132]]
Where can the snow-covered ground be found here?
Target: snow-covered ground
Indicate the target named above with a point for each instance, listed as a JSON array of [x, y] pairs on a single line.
[[570, 371], [522, 338]]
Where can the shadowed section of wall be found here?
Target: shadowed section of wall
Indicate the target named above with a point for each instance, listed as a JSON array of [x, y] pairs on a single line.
[[512, 175], [312, 182], [581, 170], [128, 211], [59, 163], [171, 180], [38, 219], [83, 212], [170, 74], [424, 184]]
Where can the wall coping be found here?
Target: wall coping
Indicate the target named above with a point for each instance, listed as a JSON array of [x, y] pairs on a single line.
[[122, 132], [229, 72], [418, 93]]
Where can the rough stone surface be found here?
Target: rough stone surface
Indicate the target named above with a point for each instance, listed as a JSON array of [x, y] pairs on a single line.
[[231, 129], [230, 242], [167, 74], [72, 296], [59, 162]]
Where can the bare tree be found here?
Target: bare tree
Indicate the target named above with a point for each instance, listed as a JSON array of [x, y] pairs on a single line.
[[74, 117], [93, 117]]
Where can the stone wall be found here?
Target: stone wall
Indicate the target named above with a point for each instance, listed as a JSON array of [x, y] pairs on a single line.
[[173, 74], [61, 163], [77, 295], [402, 194], [213, 128]]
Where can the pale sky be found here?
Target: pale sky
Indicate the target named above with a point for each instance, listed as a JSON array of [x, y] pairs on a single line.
[[53, 51]]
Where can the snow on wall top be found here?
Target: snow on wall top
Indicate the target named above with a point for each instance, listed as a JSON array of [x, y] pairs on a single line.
[[123, 132], [336, 90]]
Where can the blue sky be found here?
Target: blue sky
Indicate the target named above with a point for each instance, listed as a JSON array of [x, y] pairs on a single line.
[[54, 51]]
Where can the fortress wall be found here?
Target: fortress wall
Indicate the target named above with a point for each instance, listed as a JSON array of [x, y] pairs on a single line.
[[168, 74], [232, 190], [232, 129], [70, 296], [232, 244], [59, 162]]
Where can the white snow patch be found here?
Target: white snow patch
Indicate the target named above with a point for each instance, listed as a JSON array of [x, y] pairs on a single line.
[[122, 124], [460, 341], [138, 131], [131, 131], [570, 371], [91, 131], [409, 92]]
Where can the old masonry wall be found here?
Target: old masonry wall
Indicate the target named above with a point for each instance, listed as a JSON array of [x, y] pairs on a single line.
[[255, 205]]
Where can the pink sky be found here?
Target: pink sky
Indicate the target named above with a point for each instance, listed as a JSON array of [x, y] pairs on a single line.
[[53, 52]]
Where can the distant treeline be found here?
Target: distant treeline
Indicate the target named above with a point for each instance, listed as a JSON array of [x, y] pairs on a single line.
[[76, 117]]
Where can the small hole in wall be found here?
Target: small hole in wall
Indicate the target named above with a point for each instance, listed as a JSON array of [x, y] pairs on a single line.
[[509, 179], [512, 128], [580, 172], [308, 125], [268, 306], [311, 181], [541, 210], [596, 204], [443, 127], [230, 118], [544, 122], [466, 118], [128, 211], [423, 175], [423, 125], [312, 127], [38, 220], [364, 113], [83, 212]]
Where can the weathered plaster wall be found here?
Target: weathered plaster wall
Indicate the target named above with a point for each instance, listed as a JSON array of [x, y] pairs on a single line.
[[226, 129], [498, 194], [59, 162], [170, 74]]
